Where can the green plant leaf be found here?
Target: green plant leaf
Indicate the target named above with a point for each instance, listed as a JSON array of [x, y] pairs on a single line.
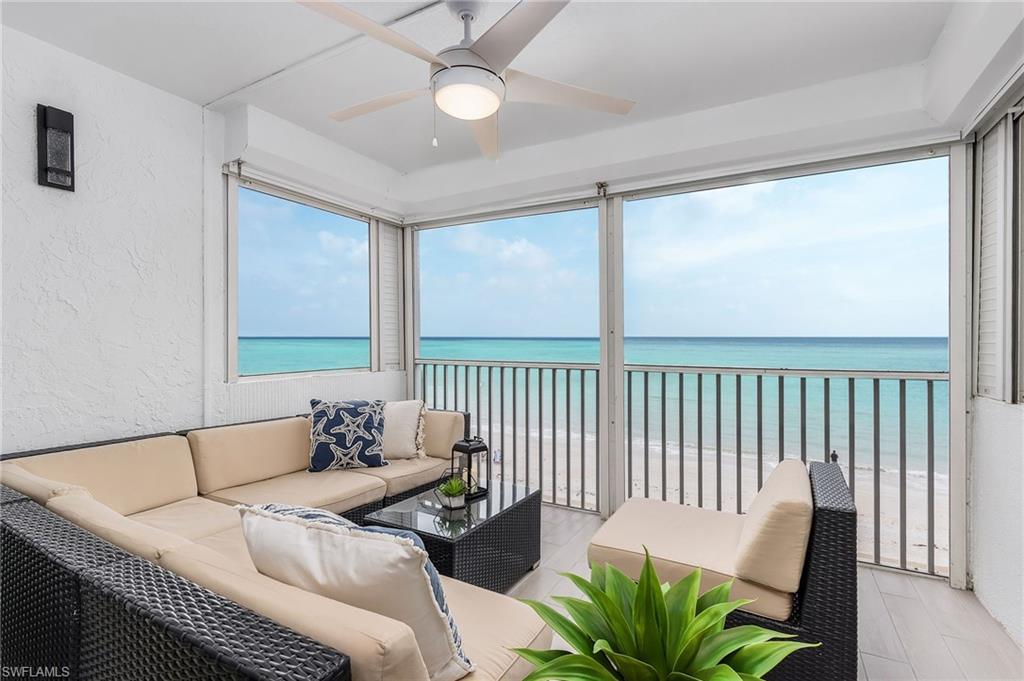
[[680, 676], [760, 658], [621, 589], [649, 618], [720, 672], [707, 622], [681, 606], [716, 647], [597, 578], [562, 626], [587, 617], [630, 668], [539, 658], [571, 667], [715, 596], [622, 631]]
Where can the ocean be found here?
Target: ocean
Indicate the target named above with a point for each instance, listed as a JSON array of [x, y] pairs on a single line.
[[279, 355]]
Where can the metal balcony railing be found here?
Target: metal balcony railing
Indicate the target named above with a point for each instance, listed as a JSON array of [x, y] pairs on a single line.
[[709, 436]]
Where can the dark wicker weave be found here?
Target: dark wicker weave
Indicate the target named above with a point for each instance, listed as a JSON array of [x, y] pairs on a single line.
[[73, 602], [9, 496], [825, 608], [359, 513], [493, 555]]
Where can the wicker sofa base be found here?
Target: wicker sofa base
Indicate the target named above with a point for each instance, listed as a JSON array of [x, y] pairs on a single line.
[[75, 606]]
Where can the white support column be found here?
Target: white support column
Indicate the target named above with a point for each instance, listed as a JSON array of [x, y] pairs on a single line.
[[961, 187], [374, 234], [611, 460], [411, 308]]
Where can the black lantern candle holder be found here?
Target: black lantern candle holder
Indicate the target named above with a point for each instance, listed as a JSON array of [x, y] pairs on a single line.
[[463, 453]]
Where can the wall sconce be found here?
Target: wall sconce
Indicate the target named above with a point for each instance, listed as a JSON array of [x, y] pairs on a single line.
[[55, 141]]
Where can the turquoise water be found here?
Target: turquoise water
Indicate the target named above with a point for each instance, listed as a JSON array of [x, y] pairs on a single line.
[[276, 355]]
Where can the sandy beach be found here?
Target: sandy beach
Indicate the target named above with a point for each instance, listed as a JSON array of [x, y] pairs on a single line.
[[701, 486]]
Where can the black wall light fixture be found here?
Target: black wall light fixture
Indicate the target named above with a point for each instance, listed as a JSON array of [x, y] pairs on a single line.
[[55, 141]]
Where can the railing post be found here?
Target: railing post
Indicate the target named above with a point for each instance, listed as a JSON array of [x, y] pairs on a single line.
[[610, 375]]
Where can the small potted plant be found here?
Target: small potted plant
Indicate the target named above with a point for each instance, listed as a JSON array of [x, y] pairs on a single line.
[[625, 630], [452, 492]]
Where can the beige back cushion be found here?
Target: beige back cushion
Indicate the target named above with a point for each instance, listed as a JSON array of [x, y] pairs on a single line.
[[37, 488], [380, 648], [776, 529], [103, 521], [442, 429], [237, 455], [126, 476]]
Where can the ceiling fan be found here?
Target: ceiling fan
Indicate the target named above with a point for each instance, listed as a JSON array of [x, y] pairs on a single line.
[[469, 81]]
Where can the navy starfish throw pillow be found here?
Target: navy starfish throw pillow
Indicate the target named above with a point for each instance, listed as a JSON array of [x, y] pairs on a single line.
[[346, 435]]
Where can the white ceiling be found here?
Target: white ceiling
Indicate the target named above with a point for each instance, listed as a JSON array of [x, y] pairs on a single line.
[[671, 57]]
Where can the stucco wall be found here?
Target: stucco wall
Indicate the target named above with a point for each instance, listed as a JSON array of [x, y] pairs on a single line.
[[113, 296], [102, 288], [997, 511]]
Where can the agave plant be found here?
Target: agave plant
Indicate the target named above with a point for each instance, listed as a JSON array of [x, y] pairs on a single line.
[[649, 631]]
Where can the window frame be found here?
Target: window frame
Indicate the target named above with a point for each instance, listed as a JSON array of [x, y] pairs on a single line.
[[233, 181]]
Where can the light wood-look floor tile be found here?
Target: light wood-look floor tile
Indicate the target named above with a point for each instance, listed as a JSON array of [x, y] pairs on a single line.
[[909, 627]]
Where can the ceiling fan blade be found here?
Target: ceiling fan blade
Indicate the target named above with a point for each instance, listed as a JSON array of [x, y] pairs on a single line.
[[485, 131], [378, 104], [344, 15], [522, 87], [514, 31]]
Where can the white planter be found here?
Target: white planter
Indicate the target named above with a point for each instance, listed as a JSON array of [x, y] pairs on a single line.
[[453, 502]]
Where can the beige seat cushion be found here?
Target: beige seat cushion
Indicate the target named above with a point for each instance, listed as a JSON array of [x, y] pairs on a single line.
[[190, 518], [103, 521], [229, 456], [126, 476], [229, 543], [681, 538], [777, 527], [380, 648], [490, 624], [442, 429], [403, 475], [335, 491], [37, 488]]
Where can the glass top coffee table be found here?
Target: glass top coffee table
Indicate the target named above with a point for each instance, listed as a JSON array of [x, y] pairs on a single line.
[[491, 543]]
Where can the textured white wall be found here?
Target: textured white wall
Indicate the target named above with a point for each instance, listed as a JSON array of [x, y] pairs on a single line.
[[102, 288], [997, 512]]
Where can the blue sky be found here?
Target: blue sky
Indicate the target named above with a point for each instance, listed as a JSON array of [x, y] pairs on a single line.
[[856, 253]]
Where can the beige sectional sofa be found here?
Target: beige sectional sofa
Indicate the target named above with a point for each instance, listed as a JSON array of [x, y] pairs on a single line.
[[170, 500]]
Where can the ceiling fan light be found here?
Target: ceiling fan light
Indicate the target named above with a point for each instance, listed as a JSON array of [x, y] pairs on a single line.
[[468, 93]]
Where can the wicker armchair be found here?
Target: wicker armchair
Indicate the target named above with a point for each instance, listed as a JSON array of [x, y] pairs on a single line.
[[825, 607]]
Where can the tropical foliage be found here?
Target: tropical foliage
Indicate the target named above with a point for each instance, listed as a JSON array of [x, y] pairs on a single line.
[[644, 630]]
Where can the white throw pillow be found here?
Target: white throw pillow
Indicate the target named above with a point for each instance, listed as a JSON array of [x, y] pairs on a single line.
[[403, 430], [374, 568]]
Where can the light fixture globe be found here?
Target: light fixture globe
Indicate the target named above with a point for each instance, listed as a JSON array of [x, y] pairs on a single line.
[[467, 92]]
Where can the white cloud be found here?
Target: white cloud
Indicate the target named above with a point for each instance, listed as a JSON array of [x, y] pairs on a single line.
[[515, 253]]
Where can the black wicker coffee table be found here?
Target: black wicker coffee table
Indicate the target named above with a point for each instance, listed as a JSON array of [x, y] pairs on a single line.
[[491, 543]]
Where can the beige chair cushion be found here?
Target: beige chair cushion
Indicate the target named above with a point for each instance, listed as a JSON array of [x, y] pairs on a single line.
[[37, 488], [442, 429], [681, 538], [190, 518], [126, 476], [490, 624], [235, 455], [403, 475], [380, 648], [231, 544], [103, 521], [776, 530], [335, 491]]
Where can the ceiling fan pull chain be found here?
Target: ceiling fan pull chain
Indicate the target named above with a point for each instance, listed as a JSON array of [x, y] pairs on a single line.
[[433, 108]]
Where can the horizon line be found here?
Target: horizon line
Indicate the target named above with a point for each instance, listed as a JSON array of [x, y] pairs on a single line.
[[577, 338]]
